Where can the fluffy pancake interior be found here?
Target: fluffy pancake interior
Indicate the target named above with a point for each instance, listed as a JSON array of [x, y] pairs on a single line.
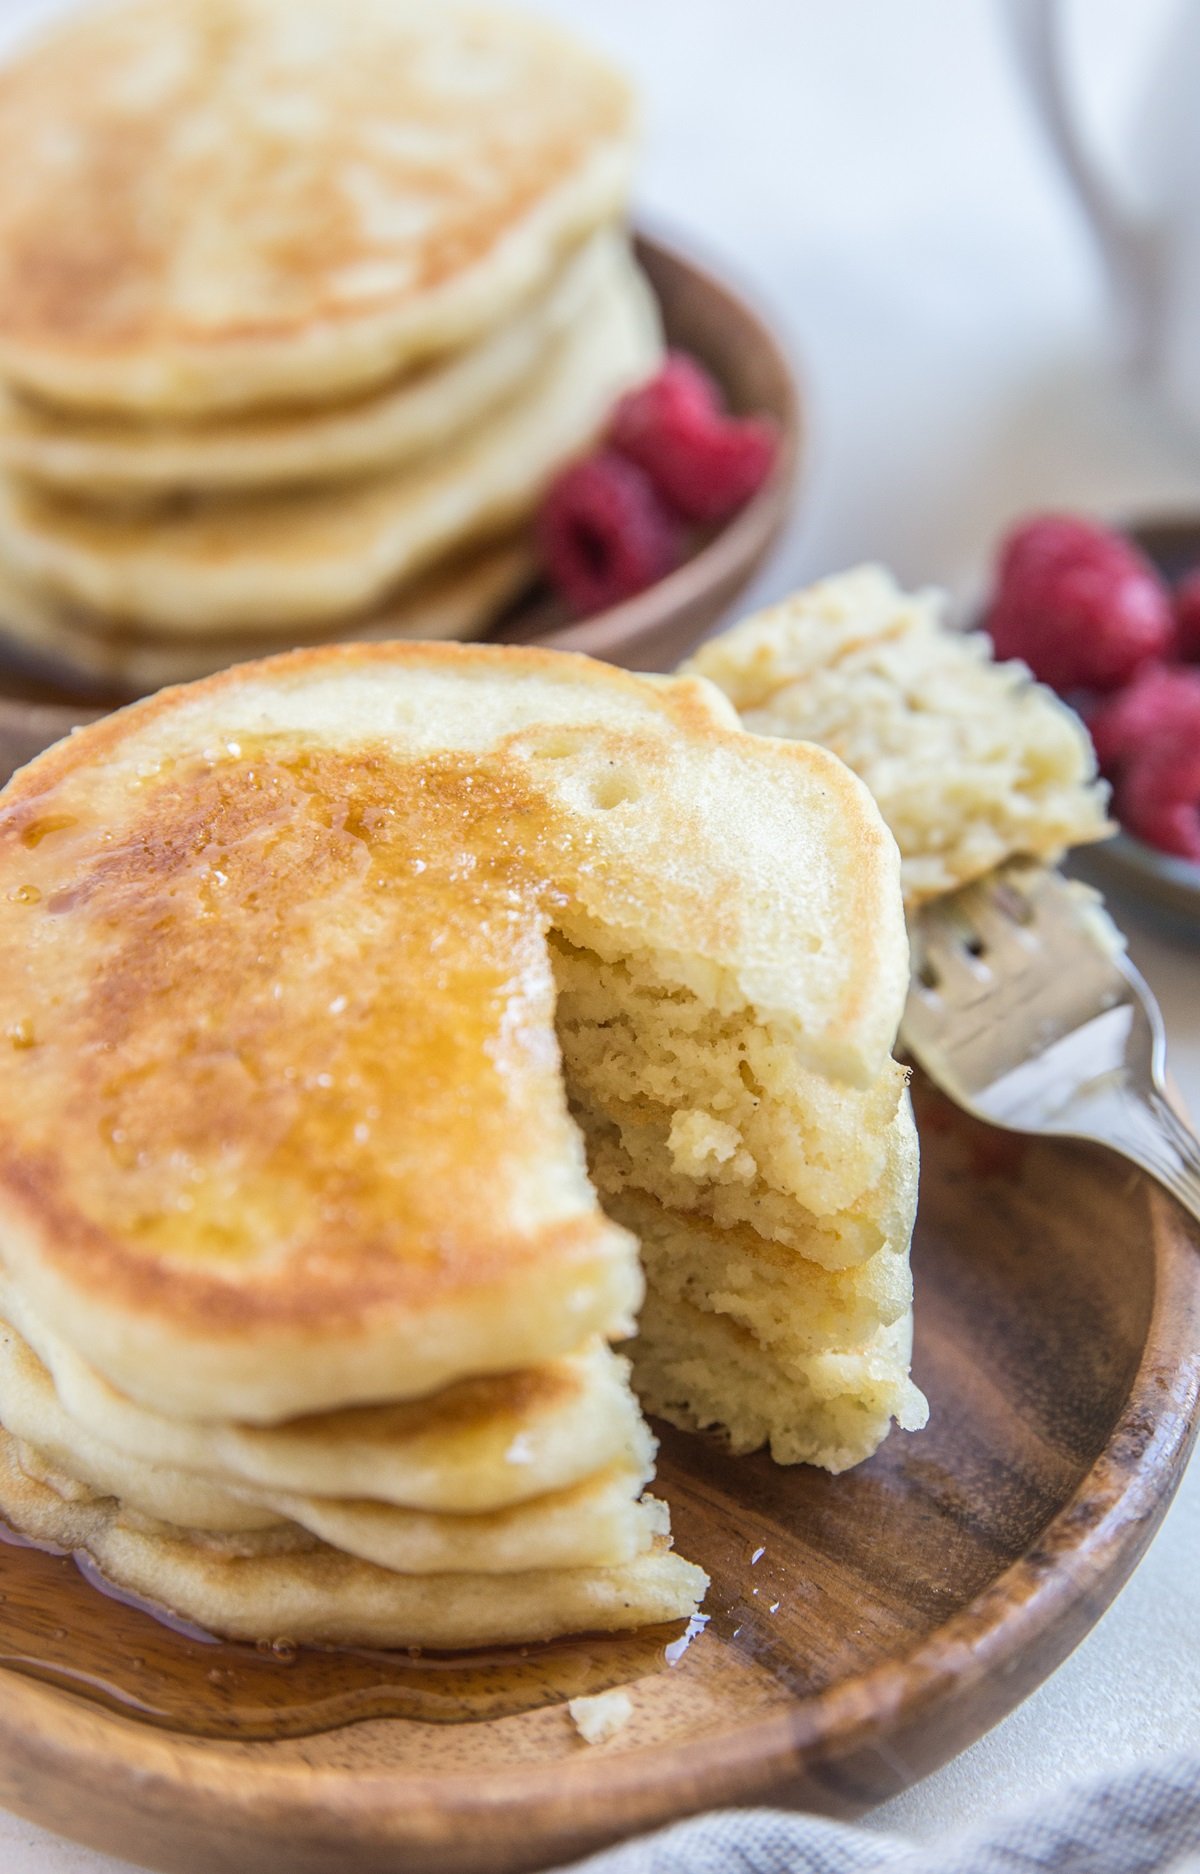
[[773, 1207]]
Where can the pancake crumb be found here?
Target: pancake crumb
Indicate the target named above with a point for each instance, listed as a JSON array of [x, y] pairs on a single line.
[[600, 1717]]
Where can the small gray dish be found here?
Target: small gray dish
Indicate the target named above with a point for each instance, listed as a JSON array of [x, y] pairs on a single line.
[[1155, 882]]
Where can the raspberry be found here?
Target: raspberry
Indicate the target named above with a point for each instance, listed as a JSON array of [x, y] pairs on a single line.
[[704, 463], [1159, 798], [605, 533], [1161, 705], [1080, 604], [682, 399], [718, 476], [1186, 599]]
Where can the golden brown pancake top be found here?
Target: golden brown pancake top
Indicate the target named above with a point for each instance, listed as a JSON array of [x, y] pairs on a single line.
[[302, 998]]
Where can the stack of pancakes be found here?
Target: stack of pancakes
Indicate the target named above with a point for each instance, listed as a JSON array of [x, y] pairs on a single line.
[[301, 308], [371, 1014]]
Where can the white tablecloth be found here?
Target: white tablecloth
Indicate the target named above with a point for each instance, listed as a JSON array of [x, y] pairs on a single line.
[[870, 171]]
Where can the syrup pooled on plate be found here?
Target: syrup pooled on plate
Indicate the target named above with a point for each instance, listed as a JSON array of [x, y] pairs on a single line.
[[61, 1623]]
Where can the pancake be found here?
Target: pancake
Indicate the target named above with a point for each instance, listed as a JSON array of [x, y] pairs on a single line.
[[100, 456], [211, 204], [702, 1370], [972, 762], [31, 1413], [275, 564], [327, 1157], [481, 1445], [601, 1522], [321, 1595], [597, 1520], [773, 1205], [707, 1111], [78, 648]]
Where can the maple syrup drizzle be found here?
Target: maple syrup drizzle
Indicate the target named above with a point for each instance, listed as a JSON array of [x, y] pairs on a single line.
[[136, 1659]]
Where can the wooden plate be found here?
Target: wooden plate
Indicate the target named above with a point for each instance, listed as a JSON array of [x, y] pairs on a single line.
[[653, 631], [861, 1629]]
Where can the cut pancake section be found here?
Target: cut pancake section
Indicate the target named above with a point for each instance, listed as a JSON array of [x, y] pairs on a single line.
[[260, 860], [704, 1371], [707, 1107], [429, 1005], [971, 762], [765, 1197]]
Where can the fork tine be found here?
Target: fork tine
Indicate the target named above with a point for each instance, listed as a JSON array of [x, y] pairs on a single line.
[[1036, 1020], [1000, 919], [944, 959]]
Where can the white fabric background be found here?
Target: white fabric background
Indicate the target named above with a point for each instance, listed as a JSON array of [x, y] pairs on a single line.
[[870, 171]]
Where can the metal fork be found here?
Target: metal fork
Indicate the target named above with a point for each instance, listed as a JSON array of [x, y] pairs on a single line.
[[1026, 1011]]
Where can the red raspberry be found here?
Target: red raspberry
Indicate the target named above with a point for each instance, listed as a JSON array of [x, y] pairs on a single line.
[[1187, 615], [680, 400], [706, 464], [1080, 604], [1159, 798], [718, 477], [605, 533], [1161, 705]]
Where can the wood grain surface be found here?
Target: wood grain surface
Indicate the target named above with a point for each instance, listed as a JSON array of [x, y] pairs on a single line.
[[861, 1629]]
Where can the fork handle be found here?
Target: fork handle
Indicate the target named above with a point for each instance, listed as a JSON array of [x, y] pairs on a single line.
[[1152, 1134]]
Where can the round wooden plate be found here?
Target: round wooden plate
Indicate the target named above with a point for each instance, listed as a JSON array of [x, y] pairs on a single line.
[[861, 1628]]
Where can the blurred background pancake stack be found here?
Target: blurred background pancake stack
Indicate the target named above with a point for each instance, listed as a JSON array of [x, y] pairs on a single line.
[[301, 308]]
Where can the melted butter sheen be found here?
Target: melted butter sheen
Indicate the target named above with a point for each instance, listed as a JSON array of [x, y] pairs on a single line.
[[292, 1001]]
